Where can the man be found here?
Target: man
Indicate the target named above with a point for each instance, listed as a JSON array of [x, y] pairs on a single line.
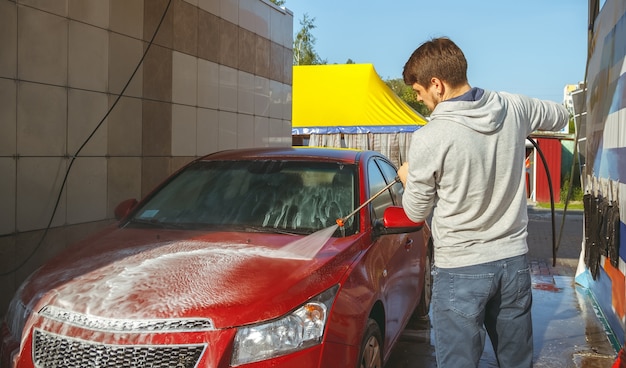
[[467, 166]]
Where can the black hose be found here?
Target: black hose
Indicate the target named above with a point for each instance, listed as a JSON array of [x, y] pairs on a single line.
[[545, 165]]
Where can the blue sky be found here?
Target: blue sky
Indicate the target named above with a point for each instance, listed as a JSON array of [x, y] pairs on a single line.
[[532, 47]]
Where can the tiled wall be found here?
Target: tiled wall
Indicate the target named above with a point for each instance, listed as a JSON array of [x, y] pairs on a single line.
[[217, 76]]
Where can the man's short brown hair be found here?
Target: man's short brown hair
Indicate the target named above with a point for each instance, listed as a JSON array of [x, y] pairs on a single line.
[[439, 58]]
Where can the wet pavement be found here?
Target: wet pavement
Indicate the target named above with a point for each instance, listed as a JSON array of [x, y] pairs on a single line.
[[567, 331]]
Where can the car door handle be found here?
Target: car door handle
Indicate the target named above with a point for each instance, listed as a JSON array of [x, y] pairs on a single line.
[[408, 244]]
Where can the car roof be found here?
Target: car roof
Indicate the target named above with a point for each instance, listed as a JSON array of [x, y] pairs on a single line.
[[345, 155]]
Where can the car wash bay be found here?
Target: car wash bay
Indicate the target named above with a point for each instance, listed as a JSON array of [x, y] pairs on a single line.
[[567, 330]]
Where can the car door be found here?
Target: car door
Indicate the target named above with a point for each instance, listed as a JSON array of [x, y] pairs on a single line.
[[400, 252]]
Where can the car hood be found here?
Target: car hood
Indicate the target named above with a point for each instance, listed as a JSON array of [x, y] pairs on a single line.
[[231, 278]]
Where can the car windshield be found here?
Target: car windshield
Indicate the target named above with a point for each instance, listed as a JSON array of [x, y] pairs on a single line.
[[277, 196]]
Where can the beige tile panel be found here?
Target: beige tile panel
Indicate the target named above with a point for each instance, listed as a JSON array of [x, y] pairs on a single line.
[[153, 171], [152, 14], [184, 79], [39, 181], [46, 248], [8, 39], [43, 40], [58, 7], [261, 131], [8, 103], [262, 55], [278, 137], [276, 62], [156, 128], [8, 261], [88, 57], [207, 137], [7, 195], [41, 120], [255, 17], [229, 10], [261, 96], [85, 112], [157, 74], [245, 131], [229, 40], [183, 130], [123, 181], [227, 130], [185, 27], [247, 48], [94, 12], [125, 127], [211, 6], [208, 36], [208, 84], [124, 55], [228, 90], [87, 190], [245, 92], [127, 17]]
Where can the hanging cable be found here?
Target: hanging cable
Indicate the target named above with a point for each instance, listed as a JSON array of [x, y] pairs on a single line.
[[67, 172], [545, 166]]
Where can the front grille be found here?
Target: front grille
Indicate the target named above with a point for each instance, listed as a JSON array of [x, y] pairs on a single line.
[[50, 350]]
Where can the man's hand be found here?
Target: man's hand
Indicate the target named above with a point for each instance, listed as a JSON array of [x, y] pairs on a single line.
[[403, 172]]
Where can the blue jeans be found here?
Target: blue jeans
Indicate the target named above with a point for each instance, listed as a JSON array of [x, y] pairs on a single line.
[[493, 298]]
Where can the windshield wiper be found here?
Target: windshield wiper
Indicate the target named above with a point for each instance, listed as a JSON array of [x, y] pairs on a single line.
[[157, 223]]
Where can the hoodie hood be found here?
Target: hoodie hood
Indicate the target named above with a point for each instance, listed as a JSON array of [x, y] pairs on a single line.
[[484, 115]]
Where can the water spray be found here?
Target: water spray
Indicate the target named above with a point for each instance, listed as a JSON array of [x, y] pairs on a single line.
[[341, 221]]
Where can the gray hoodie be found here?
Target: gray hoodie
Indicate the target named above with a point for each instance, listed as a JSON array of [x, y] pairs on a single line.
[[467, 165]]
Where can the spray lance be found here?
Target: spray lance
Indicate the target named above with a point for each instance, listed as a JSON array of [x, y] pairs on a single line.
[[341, 221]]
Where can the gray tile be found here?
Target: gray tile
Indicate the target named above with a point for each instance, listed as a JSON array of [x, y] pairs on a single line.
[[85, 113], [127, 17], [88, 57], [123, 181], [157, 74], [43, 40], [41, 120], [124, 127], [7, 195], [124, 55], [185, 28], [87, 190], [39, 181], [94, 12], [8, 39], [8, 117], [156, 128]]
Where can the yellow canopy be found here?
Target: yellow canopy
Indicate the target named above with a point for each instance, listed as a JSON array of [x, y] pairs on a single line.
[[347, 98]]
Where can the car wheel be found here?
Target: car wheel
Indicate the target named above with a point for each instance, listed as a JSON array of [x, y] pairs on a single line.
[[423, 308], [371, 347]]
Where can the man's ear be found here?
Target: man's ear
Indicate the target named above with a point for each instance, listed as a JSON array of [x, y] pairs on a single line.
[[439, 86]]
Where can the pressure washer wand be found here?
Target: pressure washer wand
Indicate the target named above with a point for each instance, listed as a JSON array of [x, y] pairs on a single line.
[[341, 221]]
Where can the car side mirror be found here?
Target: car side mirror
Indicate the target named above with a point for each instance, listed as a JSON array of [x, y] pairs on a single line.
[[395, 221], [124, 208]]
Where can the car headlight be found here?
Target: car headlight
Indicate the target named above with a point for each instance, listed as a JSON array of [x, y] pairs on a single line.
[[17, 313], [299, 329]]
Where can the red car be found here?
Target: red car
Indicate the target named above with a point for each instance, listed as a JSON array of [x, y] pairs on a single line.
[[236, 260]]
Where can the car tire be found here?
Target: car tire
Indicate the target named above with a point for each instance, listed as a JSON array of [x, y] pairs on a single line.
[[423, 308], [371, 347]]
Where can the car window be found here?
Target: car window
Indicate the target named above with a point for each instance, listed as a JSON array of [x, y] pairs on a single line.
[[376, 182], [298, 196], [390, 174]]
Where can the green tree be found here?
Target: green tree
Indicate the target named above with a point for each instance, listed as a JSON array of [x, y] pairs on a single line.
[[407, 95], [304, 42], [278, 2]]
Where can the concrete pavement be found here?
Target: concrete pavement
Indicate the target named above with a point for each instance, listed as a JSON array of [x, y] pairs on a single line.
[[567, 331]]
